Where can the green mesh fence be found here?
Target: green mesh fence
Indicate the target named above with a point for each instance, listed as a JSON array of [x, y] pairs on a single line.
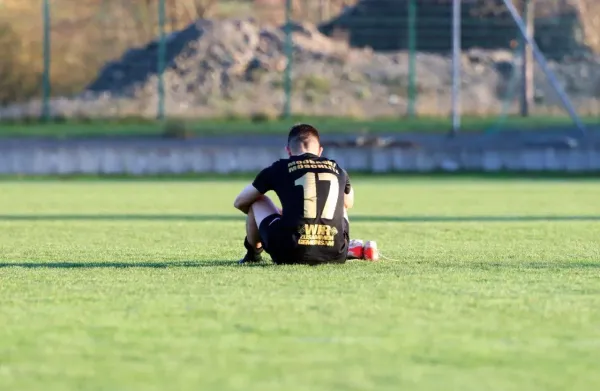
[[241, 59]]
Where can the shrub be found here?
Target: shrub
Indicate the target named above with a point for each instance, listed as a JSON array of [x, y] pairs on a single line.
[[17, 81]]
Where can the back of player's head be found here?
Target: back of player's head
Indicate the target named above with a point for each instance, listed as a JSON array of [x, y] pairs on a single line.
[[304, 138]]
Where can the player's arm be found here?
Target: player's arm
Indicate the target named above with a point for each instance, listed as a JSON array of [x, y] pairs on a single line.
[[253, 192], [349, 199], [348, 193], [246, 198]]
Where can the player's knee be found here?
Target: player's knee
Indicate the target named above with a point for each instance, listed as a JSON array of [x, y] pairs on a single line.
[[263, 208]]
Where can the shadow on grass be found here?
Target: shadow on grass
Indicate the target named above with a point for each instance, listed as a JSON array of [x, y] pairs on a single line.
[[240, 218], [126, 265]]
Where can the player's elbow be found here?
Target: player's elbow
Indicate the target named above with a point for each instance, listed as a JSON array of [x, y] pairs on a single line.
[[238, 203], [243, 203], [348, 202], [246, 198]]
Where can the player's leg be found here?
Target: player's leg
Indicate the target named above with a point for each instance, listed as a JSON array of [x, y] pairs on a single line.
[[252, 233], [261, 210], [252, 242]]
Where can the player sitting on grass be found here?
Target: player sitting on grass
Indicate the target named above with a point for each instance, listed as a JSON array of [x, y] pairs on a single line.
[[315, 194]]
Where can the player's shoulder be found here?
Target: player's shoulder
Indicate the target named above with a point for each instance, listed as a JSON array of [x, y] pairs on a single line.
[[324, 158], [281, 163], [333, 162], [278, 167]]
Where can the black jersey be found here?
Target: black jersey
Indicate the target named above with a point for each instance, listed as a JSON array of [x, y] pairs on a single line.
[[311, 190]]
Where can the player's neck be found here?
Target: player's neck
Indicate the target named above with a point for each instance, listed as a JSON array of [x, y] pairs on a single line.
[[302, 153]]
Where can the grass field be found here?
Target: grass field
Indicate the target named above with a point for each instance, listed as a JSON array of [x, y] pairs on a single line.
[[212, 127], [117, 285]]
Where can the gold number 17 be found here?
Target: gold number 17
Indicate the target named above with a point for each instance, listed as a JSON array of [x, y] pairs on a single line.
[[309, 183]]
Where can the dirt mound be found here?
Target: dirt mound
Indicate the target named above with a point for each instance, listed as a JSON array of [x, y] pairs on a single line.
[[220, 60], [209, 54]]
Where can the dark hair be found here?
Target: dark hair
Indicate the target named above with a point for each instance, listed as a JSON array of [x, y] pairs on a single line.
[[301, 135]]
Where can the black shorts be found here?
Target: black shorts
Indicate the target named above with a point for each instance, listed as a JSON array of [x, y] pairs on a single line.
[[280, 244]]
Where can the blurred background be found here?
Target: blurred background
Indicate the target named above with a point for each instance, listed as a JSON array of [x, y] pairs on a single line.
[[188, 68]]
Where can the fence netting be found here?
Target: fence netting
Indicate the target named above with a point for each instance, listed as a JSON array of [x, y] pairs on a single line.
[[239, 58]]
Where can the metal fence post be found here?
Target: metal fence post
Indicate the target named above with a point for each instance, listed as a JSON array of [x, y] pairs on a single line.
[[289, 54], [46, 53], [162, 51], [456, 69], [527, 86], [412, 57]]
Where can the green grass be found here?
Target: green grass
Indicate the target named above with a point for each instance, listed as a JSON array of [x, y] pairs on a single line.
[[116, 285], [244, 126]]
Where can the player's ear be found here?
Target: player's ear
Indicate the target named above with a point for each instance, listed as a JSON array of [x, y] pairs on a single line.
[[320, 150], [288, 150]]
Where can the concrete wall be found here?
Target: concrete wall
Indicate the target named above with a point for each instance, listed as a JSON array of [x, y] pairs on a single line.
[[166, 157]]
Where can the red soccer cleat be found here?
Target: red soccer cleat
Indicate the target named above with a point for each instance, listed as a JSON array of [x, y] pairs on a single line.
[[355, 249], [371, 253]]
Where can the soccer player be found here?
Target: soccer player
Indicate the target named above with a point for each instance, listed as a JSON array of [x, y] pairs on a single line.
[[315, 194]]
